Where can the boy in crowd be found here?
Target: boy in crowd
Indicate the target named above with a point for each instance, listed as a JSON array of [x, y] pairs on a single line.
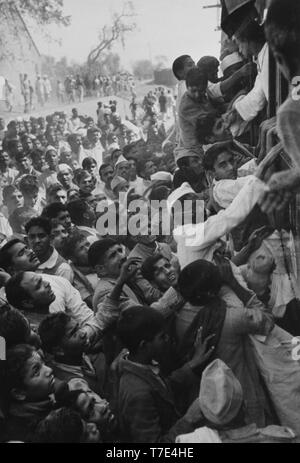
[[146, 399], [39, 240]]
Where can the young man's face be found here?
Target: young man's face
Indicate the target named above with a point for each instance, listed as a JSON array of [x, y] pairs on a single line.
[[4, 160], [92, 169], [75, 341], [81, 253], [123, 170], [150, 169], [196, 164], [59, 197], [14, 200], [86, 184], [114, 259], [225, 167], [159, 346], [39, 162], [24, 164], [188, 65], [23, 258], [39, 291], [52, 159], [58, 236], [107, 175], [31, 198], [93, 409], [27, 144], [220, 131], [39, 241], [39, 380], [65, 219], [197, 93], [165, 275], [65, 177]]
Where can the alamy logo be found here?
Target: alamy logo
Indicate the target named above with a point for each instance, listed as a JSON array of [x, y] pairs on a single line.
[[296, 88], [296, 349], [2, 348]]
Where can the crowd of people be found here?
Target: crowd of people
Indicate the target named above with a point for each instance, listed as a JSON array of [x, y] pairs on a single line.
[[74, 88], [149, 288]]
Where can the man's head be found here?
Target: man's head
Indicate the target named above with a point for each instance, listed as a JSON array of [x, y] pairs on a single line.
[[29, 292], [76, 248], [65, 175], [210, 65], [106, 173], [58, 235], [60, 212], [181, 66], [196, 83], [30, 190], [142, 331], [75, 142], [51, 158], [89, 164], [199, 282], [38, 232], [66, 426], [12, 198], [4, 160], [56, 194], [85, 181], [220, 160], [27, 378], [107, 257], [283, 35], [212, 129], [14, 326], [250, 39], [62, 336], [123, 169], [159, 271], [20, 217], [16, 256], [81, 213], [27, 143], [146, 168], [93, 135], [38, 159], [23, 163]]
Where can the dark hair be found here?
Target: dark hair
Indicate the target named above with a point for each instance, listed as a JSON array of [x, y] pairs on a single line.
[[70, 243], [206, 62], [80, 174], [29, 185], [76, 209], [138, 324], [214, 152], [5, 256], [282, 30], [53, 189], [20, 155], [196, 77], [52, 210], [15, 294], [14, 327], [7, 191], [88, 162], [178, 65], [52, 329], [204, 127], [252, 32], [199, 281], [15, 365], [60, 426], [41, 222], [98, 249], [159, 192], [148, 266], [36, 154], [104, 166]]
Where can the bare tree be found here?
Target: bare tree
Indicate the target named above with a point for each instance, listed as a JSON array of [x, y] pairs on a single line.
[[121, 25], [42, 11]]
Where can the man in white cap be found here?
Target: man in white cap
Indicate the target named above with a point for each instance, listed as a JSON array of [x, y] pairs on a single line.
[[221, 402], [123, 168]]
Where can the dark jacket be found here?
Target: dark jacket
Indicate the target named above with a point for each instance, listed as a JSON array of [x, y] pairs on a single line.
[[146, 404]]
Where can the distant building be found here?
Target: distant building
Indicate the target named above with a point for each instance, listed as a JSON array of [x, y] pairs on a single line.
[[18, 51]]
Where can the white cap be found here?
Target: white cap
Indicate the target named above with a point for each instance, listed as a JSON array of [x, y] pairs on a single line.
[[121, 160], [163, 176], [221, 394], [230, 60], [183, 190]]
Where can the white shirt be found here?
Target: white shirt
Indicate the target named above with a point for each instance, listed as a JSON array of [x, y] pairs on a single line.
[[224, 191], [200, 241], [64, 270], [68, 300], [251, 104]]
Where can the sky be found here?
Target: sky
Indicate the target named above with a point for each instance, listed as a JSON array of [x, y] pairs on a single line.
[[165, 27]]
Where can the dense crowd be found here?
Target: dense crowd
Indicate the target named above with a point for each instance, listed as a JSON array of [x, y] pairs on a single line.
[[149, 288]]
